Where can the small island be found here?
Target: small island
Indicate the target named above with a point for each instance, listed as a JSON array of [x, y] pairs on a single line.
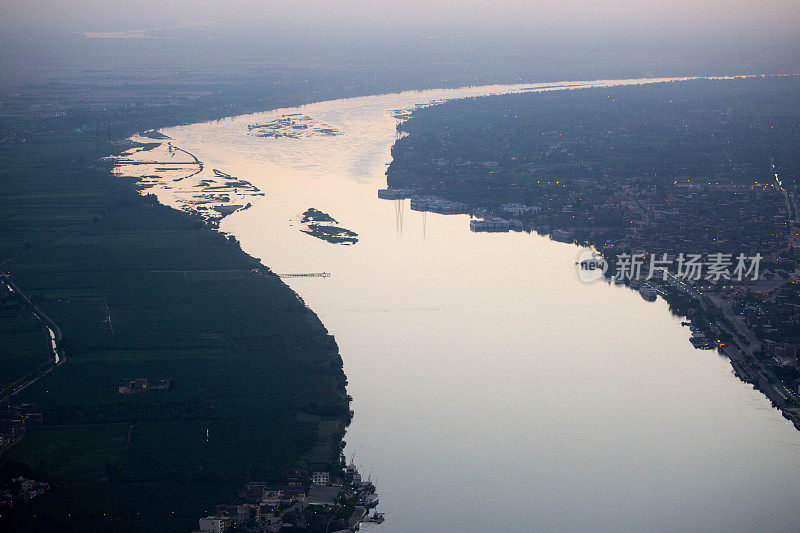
[[323, 226], [293, 126], [154, 134]]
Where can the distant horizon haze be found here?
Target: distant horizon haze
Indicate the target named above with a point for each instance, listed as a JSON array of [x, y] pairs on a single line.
[[377, 47], [677, 19]]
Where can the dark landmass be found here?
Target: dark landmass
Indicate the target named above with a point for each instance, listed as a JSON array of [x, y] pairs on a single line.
[[685, 167], [315, 215], [332, 234], [312, 219], [153, 134], [66, 101], [24, 342], [293, 126], [139, 289]]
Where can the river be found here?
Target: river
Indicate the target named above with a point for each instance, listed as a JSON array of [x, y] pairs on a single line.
[[493, 390]]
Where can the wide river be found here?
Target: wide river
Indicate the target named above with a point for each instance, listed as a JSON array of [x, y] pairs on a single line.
[[493, 390]]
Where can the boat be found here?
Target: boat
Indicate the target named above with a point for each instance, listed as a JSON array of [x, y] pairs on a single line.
[[648, 292], [394, 194], [702, 343], [376, 518], [369, 500]]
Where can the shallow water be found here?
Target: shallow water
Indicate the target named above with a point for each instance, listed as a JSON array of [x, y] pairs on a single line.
[[493, 389]]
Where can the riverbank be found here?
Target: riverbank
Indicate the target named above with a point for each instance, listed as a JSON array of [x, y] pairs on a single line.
[[258, 381], [461, 344], [617, 184]]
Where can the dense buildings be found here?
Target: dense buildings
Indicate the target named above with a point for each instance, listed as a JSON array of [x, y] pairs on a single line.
[[651, 175]]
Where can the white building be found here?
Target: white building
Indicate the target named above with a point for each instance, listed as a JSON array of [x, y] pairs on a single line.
[[518, 209], [321, 478], [214, 524]]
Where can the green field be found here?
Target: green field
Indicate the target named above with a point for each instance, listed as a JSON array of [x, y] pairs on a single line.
[[257, 386], [24, 345]]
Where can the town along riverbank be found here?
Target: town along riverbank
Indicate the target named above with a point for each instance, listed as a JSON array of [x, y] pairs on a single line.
[[651, 177]]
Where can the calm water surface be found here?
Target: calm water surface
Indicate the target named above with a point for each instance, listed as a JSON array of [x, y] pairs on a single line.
[[493, 390]]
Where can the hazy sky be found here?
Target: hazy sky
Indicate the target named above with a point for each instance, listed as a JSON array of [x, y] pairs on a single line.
[[640, 17]]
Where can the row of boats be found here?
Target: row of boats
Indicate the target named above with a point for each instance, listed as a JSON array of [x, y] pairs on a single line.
[[647, 291], [364, 490]]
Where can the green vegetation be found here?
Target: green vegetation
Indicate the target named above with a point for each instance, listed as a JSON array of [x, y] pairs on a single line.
[[315, 215], [332, 234], [294, 126], [137, 291], [509, 145], [24, 343], [327, 232]]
